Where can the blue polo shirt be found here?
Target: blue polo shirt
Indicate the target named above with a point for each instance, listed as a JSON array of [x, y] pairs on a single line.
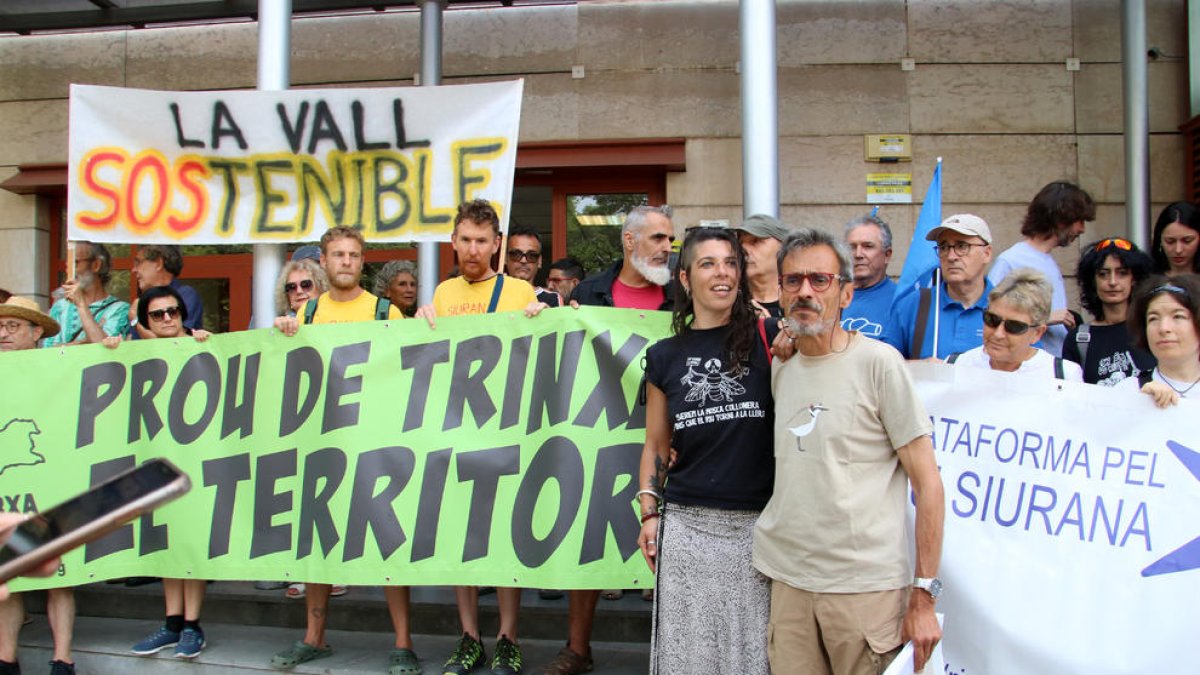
[[960, 328], [868, 311]]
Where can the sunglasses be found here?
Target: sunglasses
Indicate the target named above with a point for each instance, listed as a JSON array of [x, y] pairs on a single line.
[[164, 313], [517, 255], [820, 281], [291, 286], [1123, 244], [1011, 326]]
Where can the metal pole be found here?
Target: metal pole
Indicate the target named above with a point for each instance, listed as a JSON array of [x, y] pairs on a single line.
[[274, 66], [431, 76], [1137, 121], [760, 108], [1193, 44]]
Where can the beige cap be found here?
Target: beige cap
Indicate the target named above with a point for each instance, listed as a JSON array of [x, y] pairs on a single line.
[[963, 223]]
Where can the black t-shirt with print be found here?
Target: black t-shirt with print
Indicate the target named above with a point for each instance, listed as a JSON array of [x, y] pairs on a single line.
[[1110, 355], [721, 422]]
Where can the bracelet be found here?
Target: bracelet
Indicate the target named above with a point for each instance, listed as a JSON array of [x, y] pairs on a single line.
[[652, 493], [648, 516]]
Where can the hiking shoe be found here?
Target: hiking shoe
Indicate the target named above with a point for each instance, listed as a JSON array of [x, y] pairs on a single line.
[[568, 663], [507, 659], [468, 654], [61, 668], [156, 642], [191, 641]]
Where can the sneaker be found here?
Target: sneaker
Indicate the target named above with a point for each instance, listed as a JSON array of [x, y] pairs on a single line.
[[156, 641], [507, 659], [568, 663], [61, 668], [191, 641], [467, 655]]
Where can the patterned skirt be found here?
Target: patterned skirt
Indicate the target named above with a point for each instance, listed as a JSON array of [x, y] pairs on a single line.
[[711, 606]]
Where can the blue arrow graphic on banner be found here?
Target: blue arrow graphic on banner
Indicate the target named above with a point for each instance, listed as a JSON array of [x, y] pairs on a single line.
[[1186, 557]]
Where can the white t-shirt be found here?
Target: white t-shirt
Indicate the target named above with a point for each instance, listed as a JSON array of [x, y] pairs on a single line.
[[1132, 384], [1022, 254], [1041, 365]]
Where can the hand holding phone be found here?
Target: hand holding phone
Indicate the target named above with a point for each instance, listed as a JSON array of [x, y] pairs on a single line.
[[33, 544]]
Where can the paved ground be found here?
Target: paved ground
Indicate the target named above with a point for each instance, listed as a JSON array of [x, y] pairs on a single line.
[[101, 646]]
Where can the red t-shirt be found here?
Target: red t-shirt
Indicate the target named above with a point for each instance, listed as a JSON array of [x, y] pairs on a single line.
[[628, 297]]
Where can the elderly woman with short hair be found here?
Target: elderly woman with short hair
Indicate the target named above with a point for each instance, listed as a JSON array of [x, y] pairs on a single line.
[[299, 281], [397, 282], [1016, 317]]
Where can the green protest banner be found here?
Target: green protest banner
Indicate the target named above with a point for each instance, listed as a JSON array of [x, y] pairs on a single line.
[[494, 450]]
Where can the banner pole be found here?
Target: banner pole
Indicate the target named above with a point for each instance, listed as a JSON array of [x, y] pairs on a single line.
[[274, 54]]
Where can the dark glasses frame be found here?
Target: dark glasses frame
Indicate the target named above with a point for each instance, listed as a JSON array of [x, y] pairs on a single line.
[[162, 314], [1011, 326], [305, 284]]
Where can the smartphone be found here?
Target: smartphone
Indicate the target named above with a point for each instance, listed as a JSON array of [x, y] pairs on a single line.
[[89, 516]]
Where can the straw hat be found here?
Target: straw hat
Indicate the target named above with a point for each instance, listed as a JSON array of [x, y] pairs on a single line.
[[24, 308]]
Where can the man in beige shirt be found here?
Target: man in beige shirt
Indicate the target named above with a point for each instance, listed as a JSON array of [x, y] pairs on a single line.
[[850, 434]]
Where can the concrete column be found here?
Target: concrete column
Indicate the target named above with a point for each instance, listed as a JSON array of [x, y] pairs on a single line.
[[431, 76], [1137, 121], [274, 69], [760, 108]]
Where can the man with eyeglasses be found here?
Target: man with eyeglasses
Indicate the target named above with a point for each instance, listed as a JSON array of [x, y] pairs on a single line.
[[951, 313], [86, 312], [1055, 218], [850, 436], [524, 259], [22, 324], [565, 274], [161, 265]]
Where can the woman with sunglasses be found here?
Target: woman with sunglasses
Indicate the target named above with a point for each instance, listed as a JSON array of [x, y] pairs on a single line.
[[1176, 239], [161, 310], [1107, 273], [299, 281], [1015, 319], [1165, 318], [708, 398]]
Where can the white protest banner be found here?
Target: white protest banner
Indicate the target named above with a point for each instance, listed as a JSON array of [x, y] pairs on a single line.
[[236, 167], [1072, 543]]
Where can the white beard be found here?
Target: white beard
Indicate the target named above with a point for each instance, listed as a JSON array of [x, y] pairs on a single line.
[[659, 275]]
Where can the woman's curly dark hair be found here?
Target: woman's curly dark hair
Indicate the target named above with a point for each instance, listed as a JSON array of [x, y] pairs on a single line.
[[742, 319], [1094, 255]]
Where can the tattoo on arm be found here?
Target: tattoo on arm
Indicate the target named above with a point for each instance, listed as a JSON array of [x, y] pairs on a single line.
[[660, 473]]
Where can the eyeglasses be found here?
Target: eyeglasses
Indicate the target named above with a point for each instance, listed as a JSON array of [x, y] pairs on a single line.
[[13, 326], [517, 255], [960, 248], [819, 281], [1123, 244], [164, 313], [291, 286], [1011, 326]]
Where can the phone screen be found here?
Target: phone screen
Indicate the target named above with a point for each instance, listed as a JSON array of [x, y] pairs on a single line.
[[87, 507]]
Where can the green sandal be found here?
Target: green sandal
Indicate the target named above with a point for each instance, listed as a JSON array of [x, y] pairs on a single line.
[[403, 662], [301, 652]]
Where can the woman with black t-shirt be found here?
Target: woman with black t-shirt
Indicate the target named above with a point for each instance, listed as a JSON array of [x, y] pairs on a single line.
[[708, 398], [1107, 274]]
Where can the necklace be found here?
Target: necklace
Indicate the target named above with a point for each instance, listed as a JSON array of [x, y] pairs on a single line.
[[1177, 390]]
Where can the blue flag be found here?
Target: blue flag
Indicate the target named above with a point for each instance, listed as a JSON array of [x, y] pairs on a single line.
[[922, 259]]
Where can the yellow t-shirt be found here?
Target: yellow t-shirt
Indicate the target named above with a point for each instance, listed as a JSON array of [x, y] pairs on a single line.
[[458, 296], [361, 308]]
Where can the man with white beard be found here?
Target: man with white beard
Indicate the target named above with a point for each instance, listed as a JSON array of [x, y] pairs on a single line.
[[642, 278], [86, 312]]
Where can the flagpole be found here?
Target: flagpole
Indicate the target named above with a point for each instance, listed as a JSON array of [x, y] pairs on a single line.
[[937, 308]]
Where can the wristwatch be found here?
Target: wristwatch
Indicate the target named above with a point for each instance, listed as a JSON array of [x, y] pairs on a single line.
[[932, 586]]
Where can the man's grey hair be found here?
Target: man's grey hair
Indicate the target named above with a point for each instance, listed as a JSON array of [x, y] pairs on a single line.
[[807, 237], [100, 252], [885, 231], [636, 220]]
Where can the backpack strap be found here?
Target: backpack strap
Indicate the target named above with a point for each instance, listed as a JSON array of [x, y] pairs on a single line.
[[495, 301], [382, 309], [762, 333], [953, 357], [310, 309], [918, 338], [1058, 369], [1083, 338]]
